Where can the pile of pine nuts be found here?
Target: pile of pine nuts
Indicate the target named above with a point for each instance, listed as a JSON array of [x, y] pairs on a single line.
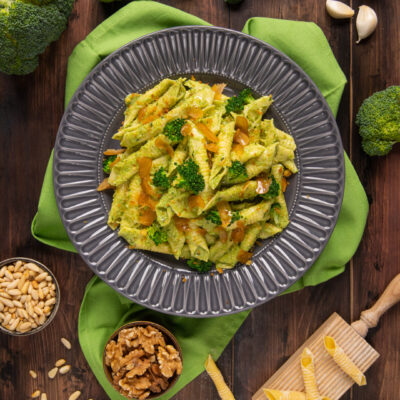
[[27, 296]]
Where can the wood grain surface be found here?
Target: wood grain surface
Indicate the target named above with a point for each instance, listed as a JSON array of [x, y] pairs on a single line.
[[30, 111]]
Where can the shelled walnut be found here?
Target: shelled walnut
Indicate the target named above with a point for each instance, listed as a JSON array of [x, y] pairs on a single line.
[[141, 362]]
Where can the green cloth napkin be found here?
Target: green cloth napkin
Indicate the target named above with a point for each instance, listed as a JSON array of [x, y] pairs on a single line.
[[103, 310]]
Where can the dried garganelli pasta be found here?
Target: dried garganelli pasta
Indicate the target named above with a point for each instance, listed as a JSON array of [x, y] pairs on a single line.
[[200, 175], [284, 394], [343, 361], [307, 369], [219, 382]]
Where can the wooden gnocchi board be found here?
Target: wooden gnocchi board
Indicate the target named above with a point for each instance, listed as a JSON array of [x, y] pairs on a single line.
[[332, 381]]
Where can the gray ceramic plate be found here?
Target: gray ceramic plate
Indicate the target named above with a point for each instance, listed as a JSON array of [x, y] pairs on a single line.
[[213, 55]]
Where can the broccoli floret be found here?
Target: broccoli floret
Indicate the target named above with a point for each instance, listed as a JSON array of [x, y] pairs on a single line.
[[27, 27], [199, 265], [273, 190], [213, 216], [191, 179], [173, 130], [237, 170], [275, 211], [156, 234], [235, 217], [108, 160], [236, 103], [160, 179], [379, 121]]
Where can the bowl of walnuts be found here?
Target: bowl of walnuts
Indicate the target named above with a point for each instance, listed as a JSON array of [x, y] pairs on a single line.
[[142, 360]]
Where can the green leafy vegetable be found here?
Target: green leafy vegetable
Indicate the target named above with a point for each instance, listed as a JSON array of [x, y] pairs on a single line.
[[27, 27], [275, 212], [156, 234], [173, 130], [160, 179], [199, 265], [108, 160], [235, 217], [236, 103], [379, 121], [237, 170], [213, 216], [273, 190], [190, 177]]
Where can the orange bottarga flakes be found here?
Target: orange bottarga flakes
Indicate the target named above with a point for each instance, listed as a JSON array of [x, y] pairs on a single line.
[[196, 201], [162, 144], [206, 132], [238, 233], [242, 124], [218, 88], [224, 210], [244, 256], [241, 138]]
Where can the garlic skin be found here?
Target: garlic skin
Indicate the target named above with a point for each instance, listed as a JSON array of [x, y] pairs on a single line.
[[338, 10], [366, 22]]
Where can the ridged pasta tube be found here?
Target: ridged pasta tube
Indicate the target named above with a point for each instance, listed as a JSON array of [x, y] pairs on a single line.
[[219, 382], [284, 395], [308, 371]]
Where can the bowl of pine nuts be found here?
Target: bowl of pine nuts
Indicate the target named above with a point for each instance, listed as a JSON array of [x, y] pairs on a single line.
[[29, 296]]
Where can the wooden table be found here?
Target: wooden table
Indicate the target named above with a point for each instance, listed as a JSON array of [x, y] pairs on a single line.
[[30, 111]]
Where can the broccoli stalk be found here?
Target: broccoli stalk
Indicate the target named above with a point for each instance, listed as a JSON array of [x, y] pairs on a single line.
[[379, 121], [236, 103], [160, 179], [26, 29], [273, 190], [156, 234], [108, 160], [237, 171], [199, 265], [173, 130], [191, 179]]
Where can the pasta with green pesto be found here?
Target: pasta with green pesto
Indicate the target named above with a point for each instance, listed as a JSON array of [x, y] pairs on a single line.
[[199, 175]]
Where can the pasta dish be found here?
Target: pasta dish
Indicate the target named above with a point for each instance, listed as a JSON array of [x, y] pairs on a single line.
[[199, 175]]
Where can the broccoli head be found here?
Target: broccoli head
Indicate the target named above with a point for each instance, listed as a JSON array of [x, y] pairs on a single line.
[[379, 121], [236, 103], [275, 212], [173, 130], [199, 265], [273, 190], [156, 234], [191, 179], [237, 170], [27, 27], [160, 179], [214, 217], [234, 217], [107, 163]]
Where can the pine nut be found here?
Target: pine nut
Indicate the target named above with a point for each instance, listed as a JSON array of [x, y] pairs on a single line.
[[32, 267], [12, 285], [17, 303], [9, 276], [38, 311], [41, 277], [35, 284], [18, 264], [74, 395], [49, 278], [7, 319], [41, 320], [7, 302], [43, 396], [50, 302], [34, 294], [17, 275], [60, 362], [64, 369], [1, 306], [40, 293], [3, 271], [25, 288], [35, 394], [33, 374], [52, 373], [14, 325], [24, 326], [5, 295], [14, 292], [66, 343]]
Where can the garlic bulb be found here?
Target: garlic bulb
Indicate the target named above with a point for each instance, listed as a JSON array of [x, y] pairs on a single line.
[[339, 10], [366, 22]]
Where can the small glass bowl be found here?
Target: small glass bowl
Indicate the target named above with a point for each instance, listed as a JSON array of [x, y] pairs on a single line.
[[169, 339], [55, 307]]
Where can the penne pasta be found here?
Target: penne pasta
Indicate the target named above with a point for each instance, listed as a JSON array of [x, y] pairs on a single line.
[[307, 369], [284, 395]]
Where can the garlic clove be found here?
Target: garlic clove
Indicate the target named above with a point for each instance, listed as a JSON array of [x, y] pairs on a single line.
[[339, 10], [366, 22]]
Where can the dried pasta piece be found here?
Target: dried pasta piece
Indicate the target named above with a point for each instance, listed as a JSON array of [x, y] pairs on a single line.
[[343, 361], [307, 368], [216, 376], [284, 395]]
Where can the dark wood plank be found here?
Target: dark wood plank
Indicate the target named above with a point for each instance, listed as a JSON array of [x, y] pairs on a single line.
[[376, 66]]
